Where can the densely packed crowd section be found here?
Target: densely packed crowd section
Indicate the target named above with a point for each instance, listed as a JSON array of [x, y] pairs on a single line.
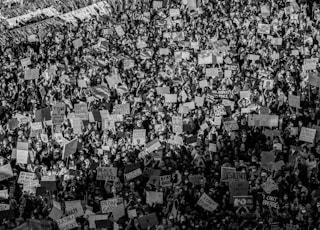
[[164, 115]]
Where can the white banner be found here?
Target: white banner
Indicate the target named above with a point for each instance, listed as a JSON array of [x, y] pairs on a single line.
[[86, 12], [50, 12]]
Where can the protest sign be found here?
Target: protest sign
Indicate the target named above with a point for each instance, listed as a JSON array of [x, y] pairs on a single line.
[[22, 152], [69, 148], [211, 72], [243, 201], [4, 194], [157, 5], [49, 182], [95, 116], [139, 137], [93, 218], [109, 122], [4, 207], [67, 223], [56, 204], [153, 145], [307, 135], [25, 62], [264, 120], [253, 57], [205, 58], [31, 189], [82, 83], [36, 128], [267, 159], [294, 101], [108, 205], [154, 197], [133, 174], [245, 94], [103, 224], [119, 31], [270, 201], [295, 52], [25, 177], [191, 139], [199, 101], [131, 167], [81, 111], [225, 172], [269, 186], [88, 213], [264, 110], [114, 79], [191, 105], [164, 51], [277, 166], [170, 98], [77, 125], [149, 220], [177, 124], [132, 213], [314, 79], [5, 172], [196, 179], [154, 180], [174, 12], [218, 94], [195, 45], [263, 28], [192, 4], [123, 109], [74, 207], [204, 126], [31, 74], [317, 128], [219, 110], [236, 176], [157, 155], [268, 84], [238, 188], [231, 125], [13, 123], [23, 226], [275, 226], [265, 11], [165, 181], [55, 213], [107, 173], [203, 83], [147, 172], [207, 203], [213, 147], [35, 224], [163, 90], [128, 64], [43, 115], [58, 113], [77, 43], [118, 212], [292, 227], [276, 41]]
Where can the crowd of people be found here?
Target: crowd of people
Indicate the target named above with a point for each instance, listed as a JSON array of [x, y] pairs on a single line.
[[164, 115]]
